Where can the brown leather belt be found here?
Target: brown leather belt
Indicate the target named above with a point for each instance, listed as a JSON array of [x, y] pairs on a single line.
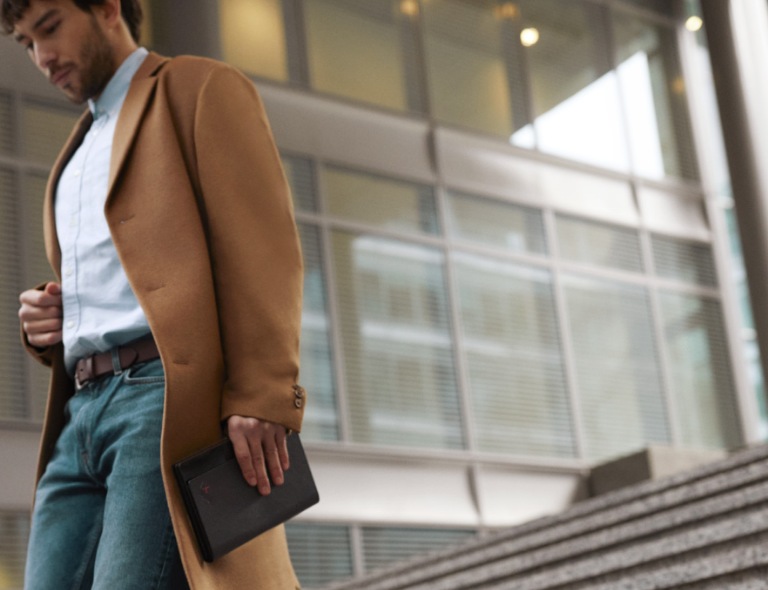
[[89, 368]]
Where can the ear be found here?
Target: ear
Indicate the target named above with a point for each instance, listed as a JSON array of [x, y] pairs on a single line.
[[108, 12]]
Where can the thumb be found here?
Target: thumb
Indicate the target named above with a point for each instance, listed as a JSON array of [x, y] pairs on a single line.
[[53, 288]]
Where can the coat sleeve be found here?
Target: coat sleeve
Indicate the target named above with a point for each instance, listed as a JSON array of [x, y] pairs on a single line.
[[254, 248]]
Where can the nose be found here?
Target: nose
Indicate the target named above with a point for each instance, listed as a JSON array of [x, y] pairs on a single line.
[[44, 56]]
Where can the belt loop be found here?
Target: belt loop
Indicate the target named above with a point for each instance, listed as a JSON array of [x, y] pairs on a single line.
[[116, 364]]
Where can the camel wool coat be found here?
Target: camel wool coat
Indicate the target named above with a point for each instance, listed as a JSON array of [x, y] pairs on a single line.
[[202, 220]]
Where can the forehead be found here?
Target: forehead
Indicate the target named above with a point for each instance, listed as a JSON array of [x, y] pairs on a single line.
[[37, 10]]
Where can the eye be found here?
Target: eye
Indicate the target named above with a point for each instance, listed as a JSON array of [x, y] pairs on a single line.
[[49, 30]]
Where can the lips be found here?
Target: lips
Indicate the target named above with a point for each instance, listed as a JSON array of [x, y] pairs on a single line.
[[60, 76]]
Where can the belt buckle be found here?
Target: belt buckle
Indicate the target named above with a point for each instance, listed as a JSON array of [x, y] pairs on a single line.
[[83, 366]]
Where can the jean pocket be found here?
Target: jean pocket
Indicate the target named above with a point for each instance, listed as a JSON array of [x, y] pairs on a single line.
[[149, 373]]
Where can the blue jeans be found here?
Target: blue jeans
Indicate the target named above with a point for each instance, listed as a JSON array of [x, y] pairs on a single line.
[[101, 518]]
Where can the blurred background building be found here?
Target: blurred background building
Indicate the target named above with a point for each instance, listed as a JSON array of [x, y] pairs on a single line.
[[522, 255]]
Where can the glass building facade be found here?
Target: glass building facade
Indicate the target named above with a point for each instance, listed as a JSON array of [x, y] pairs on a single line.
[[516, 263]]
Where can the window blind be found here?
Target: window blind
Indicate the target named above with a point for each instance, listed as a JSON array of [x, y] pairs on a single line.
[[321, 418], [599, 244], [320, 553], [617, 366], [514, 360], [700, 371], [686, 261], [397, 346], [6, 125], [14, 534], [44, 131], [495, 223], [13, 403]]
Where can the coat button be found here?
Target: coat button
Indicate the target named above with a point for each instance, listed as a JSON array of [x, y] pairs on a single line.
[[298, 403]]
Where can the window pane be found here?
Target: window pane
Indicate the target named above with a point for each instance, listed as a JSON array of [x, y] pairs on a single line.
[[617, 367], [320, 553], [599, 244], [385, 546], [300, 175], [690, 262], [575, 93], [355, 50], [45, 131], [512, 346], [6, 125], [700, 372], [655, 97], [13, 403], [381, 202], [14, 532], [494, 223], [398, 356], [467, 72], [253, 36], [321, 419]]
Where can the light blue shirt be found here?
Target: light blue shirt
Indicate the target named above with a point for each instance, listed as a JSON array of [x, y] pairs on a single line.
[[100, 308]]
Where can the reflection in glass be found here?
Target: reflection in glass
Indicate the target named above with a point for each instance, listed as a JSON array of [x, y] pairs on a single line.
[[599, 244], [655, 97], [683, 260], [512, 347], [397, 347], [496, 223], [253, 36], [700, 372], [356, 50], [382, 202], [468, 73], [576, 105], [617, 367]]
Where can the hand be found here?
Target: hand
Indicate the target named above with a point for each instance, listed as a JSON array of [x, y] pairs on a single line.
[[41, 315], [259, 446]]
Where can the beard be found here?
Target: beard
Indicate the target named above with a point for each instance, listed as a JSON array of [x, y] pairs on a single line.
[[96, 68]]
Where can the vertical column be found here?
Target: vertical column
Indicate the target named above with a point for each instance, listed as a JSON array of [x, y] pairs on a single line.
[[744, 128]]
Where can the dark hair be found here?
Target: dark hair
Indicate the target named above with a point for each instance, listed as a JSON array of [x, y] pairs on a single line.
[[12, 11]]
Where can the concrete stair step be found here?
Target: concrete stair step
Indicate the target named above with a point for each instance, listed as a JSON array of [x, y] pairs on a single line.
[[658, 525]]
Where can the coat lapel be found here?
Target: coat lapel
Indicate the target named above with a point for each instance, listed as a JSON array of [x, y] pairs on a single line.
[[52, 249], [131, 113]]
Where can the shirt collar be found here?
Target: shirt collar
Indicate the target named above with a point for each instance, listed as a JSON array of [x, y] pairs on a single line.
[[111, 99]]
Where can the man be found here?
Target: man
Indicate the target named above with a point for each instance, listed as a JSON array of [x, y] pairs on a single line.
[[177, 310]]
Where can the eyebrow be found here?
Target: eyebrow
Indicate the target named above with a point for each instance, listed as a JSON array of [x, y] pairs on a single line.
[[38, 23]]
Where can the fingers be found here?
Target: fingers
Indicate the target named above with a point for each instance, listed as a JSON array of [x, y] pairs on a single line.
[[260, 449], [41, 315]]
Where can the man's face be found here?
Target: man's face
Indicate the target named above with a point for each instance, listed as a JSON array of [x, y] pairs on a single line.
[[68, 45]]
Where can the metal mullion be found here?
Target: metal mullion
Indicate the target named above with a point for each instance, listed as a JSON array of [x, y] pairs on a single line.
[[457, 332], [337, 347], [358, 549], [566, 337]]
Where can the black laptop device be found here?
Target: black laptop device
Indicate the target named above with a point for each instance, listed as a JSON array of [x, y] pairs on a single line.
[[225, 511]]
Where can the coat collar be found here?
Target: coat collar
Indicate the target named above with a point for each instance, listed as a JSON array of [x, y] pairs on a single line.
[[131, 113]]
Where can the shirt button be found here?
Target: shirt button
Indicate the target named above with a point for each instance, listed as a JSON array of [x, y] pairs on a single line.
[[70, 324], [76, 172], [68, 271]]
